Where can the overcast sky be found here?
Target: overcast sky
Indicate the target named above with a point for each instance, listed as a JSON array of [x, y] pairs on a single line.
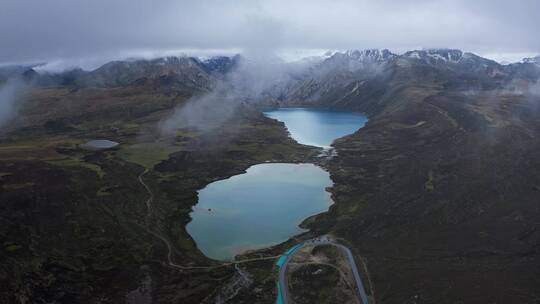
[[94, 30]]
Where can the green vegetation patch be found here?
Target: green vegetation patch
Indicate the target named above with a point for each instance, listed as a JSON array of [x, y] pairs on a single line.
[[13, 247], [77, 162], [148, 154], [103, 191], [429, 183], [17, 186]]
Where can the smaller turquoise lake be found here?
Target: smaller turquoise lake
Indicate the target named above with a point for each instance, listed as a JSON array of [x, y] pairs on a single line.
[[260, 208], [318, 127]]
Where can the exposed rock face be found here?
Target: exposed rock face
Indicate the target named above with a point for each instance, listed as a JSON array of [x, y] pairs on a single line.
[[535, 60], [188, 71], [220, 64], [436, 56]]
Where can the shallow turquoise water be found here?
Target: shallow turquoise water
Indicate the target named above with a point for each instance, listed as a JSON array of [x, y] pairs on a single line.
[[318, 127], [259, 208]]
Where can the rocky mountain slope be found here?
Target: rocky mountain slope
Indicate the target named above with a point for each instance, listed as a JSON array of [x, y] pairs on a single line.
[[439, 190]]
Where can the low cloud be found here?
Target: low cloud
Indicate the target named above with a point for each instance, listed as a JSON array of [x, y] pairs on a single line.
[[9, 93], [45, 31], [248, 83]]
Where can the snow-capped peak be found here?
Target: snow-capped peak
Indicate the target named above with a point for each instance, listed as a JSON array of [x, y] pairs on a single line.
[[436, 55], [370, 55], [535, 60]]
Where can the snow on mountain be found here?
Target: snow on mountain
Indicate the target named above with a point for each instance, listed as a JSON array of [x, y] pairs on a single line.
[[535, 60], [436, 56], [356, 60], [219, 64], [370, 55]]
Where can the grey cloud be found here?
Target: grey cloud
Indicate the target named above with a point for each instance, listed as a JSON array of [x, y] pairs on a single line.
[[36, 30]]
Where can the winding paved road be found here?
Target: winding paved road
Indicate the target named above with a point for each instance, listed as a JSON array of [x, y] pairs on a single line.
[[282, 262], [283, 292]]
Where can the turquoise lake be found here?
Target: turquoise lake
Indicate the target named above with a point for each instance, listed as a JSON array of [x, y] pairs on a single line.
[[260, 208], [265, 205], [318, 127]]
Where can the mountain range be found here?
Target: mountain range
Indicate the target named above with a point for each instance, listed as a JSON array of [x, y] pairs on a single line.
[[117, 73]]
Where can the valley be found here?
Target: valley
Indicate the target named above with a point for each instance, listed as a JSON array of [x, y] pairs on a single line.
[[97, 202], [436, 196]]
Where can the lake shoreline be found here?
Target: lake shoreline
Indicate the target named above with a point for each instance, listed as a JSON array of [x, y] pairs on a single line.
[[301, 225]]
